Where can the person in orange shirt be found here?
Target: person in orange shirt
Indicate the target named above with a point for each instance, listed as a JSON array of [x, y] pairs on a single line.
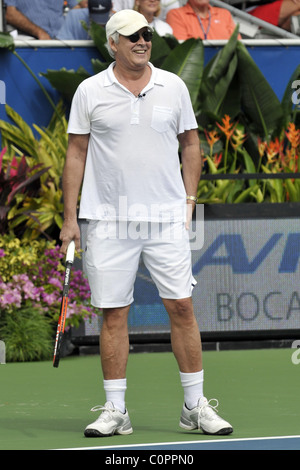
[[278, 13], [198, 19]]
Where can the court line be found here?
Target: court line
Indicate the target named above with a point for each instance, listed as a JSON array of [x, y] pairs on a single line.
[[160, 445]]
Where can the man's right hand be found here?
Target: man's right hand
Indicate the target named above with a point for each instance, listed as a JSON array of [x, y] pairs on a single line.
[[41, 34], [70, 231]]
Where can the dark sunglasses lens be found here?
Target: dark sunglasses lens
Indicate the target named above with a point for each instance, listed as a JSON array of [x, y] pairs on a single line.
[[134, 37], [147, 35]]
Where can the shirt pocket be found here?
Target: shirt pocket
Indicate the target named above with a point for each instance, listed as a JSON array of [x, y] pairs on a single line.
[[161, 118]]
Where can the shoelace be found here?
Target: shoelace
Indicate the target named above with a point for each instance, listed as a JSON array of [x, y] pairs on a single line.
[[104, 408], [212, 408]]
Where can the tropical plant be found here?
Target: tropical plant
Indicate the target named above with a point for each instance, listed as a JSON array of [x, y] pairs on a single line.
[[16, 179], [224, 155], [37, 212]]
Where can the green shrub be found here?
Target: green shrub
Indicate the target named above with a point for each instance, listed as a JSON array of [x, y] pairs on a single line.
[[27, 334]]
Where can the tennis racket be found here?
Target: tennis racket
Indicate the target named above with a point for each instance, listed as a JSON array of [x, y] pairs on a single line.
[[64, 304]]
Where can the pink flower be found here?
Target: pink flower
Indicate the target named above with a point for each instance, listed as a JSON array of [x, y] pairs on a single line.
[[55, 282], [11, 297], [49, 298]]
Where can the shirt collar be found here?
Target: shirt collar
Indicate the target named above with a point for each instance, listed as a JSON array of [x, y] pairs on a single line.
[[155, 78], [190, 10]]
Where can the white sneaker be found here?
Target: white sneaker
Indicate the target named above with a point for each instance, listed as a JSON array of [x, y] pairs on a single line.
[[204, 417], [111, 421]]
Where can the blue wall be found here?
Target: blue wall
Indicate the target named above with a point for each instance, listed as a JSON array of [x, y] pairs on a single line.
[[277, 63], [23, 94]]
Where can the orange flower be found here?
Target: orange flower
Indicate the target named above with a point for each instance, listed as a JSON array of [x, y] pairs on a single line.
[[238, 138], [211, 137], [262, 145], [228, 128], [273, 148], [293, 135], [217, 159]]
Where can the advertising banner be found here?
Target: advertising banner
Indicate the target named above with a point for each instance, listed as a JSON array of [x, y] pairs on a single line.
[[247, 275]]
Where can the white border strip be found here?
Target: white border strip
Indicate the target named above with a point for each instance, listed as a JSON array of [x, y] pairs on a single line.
[[36, 44], [177, 443]]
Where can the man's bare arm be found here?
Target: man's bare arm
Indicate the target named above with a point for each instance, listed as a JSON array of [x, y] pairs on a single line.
[[15, 18], [191, 164], [72, 179]]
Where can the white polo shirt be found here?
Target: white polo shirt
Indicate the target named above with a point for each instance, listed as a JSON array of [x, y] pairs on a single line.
[[132, 168]]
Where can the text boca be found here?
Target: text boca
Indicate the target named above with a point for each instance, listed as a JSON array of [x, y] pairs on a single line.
[[247, 306]]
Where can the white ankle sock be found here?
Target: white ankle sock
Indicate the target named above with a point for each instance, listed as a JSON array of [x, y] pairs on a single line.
[[192, 384], [115, 392]]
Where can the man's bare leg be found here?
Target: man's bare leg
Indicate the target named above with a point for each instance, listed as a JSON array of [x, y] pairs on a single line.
[[114, 343], [114, 350], [185, 335]]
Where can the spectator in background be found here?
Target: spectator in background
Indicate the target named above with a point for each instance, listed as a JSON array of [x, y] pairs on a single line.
[[165, 5], [151, 10], [98, 11], [41, 19], [278, 13], [197, 19]]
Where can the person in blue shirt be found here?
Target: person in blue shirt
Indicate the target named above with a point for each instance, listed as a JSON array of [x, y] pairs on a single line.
[[98, 11], [41, 19]]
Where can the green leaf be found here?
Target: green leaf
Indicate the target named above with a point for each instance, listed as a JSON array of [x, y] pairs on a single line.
[[287, 102], [214, 98], [66, 81], [6, 41], [245, 194], [186, 61], [292, 190], [98, 35], [249, 164], [259, 102], [235, 189], [160, 49], [275, 187], [217, 95], [98, 65], [23, 126], [218, 65]]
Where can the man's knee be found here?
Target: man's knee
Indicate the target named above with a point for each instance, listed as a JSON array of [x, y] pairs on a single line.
[[115, 317], [181, 310]]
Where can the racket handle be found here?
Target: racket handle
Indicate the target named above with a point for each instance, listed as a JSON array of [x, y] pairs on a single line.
[[70, 252], [59, 339]]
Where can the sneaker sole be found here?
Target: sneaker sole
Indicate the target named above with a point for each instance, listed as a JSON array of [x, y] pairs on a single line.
[[221, 432], [96, 433]]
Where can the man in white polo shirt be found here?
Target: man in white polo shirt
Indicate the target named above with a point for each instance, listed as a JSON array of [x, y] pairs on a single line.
[[124, 128]]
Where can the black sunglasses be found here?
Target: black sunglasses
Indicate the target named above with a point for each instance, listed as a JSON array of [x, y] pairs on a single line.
[[146, 35]]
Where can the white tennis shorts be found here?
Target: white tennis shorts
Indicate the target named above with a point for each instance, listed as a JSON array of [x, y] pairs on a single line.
[[113, 253]]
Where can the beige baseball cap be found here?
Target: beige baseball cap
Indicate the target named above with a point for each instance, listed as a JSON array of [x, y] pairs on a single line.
[[126, 22]]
